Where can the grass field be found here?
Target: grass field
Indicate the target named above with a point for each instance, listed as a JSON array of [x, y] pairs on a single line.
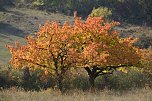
[[15, 24], [75, 95]]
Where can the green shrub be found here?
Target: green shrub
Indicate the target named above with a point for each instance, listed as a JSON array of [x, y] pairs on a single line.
[[3, 80], [101, 11], [35, 82], [81, 82], [38, 2], [10, 77], [123, 81], [117, 81]]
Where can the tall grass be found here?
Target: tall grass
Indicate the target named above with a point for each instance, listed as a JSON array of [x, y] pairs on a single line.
[[75, 95]]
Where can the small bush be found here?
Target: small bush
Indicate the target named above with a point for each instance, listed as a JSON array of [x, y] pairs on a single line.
[[123, 81], [117, 81], [38, 2], [81, 82], [10, 77], [35, 82], [3, 80], [101, 11]]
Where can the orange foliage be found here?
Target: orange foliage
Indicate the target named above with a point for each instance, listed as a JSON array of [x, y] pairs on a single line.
[[147, 60], [56, 48], [100, 45], [48, 50]]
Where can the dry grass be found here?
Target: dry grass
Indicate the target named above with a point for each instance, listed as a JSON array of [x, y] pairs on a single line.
[[75, 95]]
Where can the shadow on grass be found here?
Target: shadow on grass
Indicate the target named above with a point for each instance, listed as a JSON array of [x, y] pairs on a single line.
[[11, 30]]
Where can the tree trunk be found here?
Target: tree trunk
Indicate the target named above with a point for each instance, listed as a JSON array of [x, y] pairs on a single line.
[[60, 84], [92, 76], [92, 80], [26, 74]]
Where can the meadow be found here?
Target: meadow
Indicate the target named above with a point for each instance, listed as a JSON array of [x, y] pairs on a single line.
[[17, 23], [14, 94]]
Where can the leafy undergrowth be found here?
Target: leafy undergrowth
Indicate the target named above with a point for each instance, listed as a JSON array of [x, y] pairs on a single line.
[[14, 94], [118, 81]]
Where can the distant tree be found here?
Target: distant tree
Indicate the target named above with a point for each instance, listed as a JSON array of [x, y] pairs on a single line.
[[102, 11], [146, 4]]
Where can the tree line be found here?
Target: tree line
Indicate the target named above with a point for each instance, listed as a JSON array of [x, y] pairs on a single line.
[[133, 11]]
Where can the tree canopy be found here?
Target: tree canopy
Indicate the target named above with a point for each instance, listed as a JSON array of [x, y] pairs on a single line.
[[92, 44]]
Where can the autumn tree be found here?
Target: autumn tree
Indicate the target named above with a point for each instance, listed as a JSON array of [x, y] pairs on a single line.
[[49, 50], [92, 45], [101, 49]]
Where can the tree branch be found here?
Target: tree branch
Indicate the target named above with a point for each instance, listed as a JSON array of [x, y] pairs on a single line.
[[110, 69], [115, 67], [88, 70], [104, 73], [30, 61]]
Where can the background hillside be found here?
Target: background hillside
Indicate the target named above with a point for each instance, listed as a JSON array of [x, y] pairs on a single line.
[[131, 11], [19, 18]]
